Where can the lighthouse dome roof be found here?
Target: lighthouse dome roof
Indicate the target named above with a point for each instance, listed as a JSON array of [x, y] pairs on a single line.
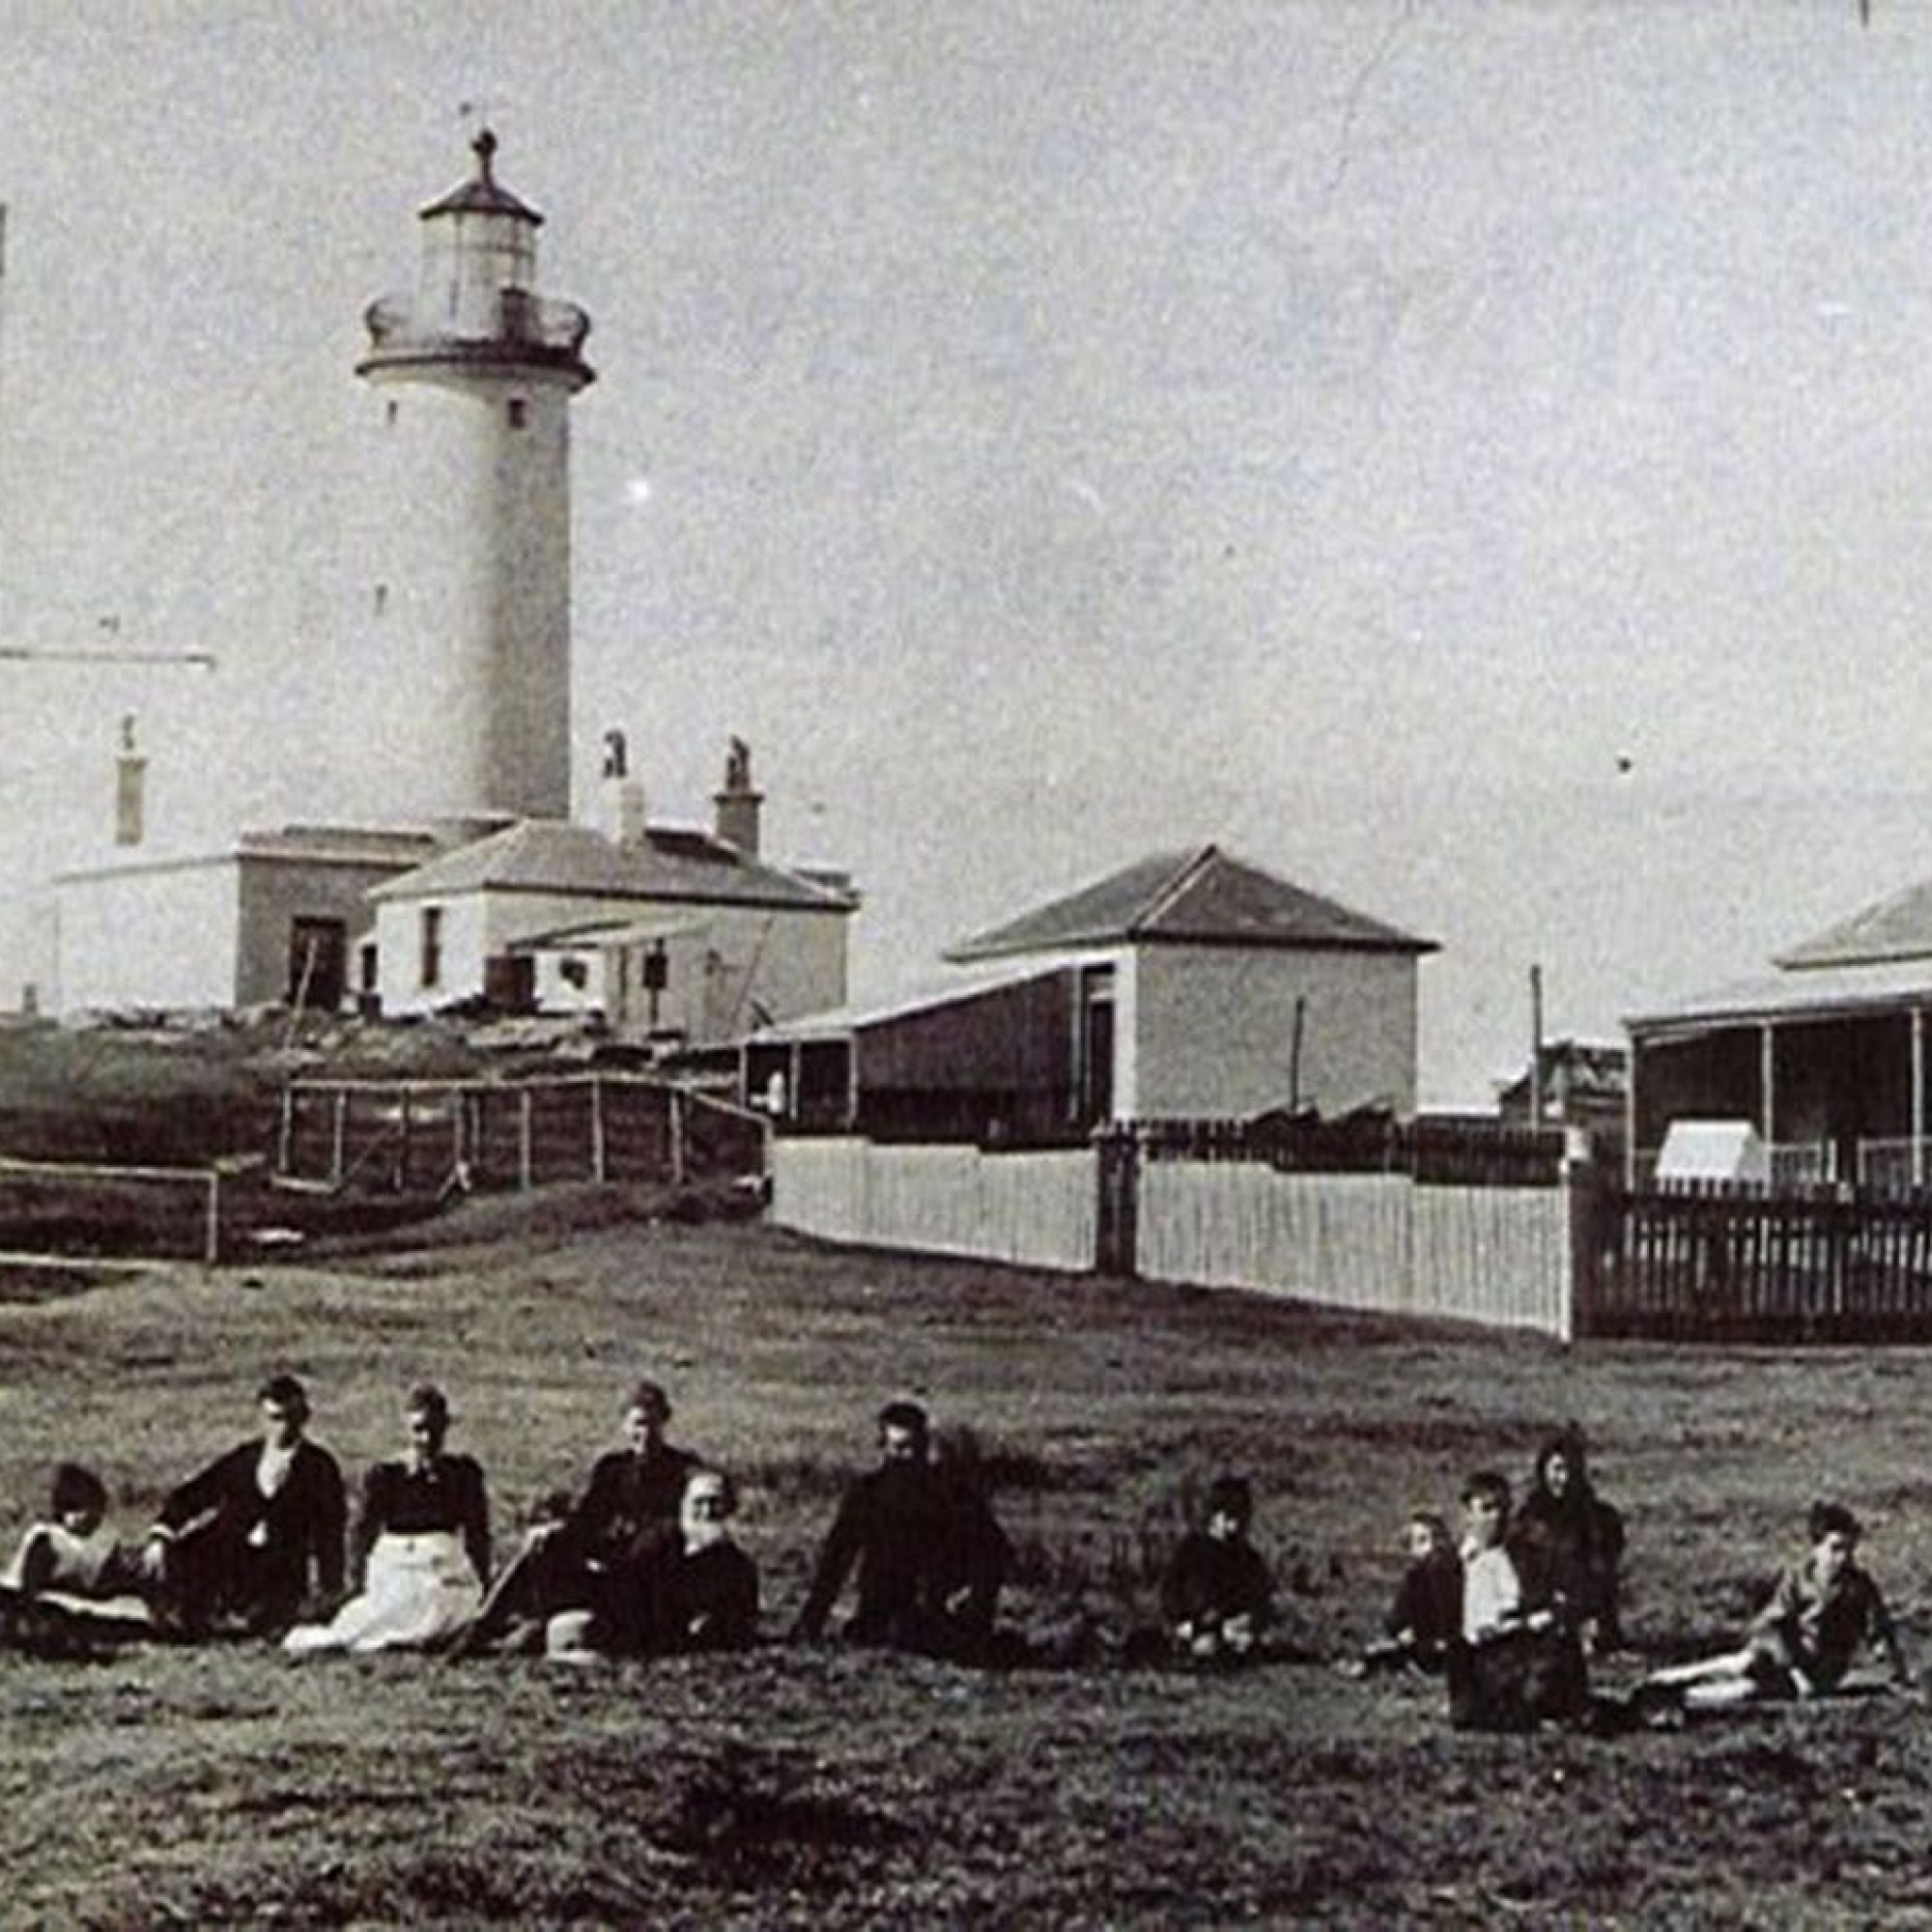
[[482, 193]]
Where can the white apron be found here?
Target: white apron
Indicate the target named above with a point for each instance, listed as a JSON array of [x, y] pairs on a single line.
[[418, 1588]]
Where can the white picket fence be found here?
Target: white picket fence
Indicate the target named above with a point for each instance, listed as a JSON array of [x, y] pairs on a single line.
[[1493, 1254], [1500, 1256], [1032, 1210]]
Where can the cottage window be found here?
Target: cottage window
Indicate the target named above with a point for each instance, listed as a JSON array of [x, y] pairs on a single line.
[[432, 946], [519, 413]]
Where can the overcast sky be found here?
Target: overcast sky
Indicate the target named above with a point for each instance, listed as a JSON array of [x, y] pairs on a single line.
[[1473, 459]]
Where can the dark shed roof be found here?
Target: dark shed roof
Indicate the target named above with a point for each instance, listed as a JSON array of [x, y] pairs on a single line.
[[1206, 896]]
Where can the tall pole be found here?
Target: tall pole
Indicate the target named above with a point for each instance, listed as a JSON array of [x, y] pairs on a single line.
[[1295, 1055], [1536, 1046]]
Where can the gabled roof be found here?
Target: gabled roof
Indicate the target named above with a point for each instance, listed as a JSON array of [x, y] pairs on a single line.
[[549, 855], [1206, 896], [1899, 927]]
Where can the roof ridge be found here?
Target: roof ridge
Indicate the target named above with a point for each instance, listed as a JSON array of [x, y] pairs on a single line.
[[1168, 894]]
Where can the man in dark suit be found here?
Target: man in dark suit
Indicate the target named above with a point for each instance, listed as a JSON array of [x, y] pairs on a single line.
[[606, 1554], [609, 1553], [255, 1540], [929, 1555]]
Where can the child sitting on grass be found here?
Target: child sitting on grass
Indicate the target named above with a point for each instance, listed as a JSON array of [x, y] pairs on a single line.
[[1825, 1611], [1217, 1597], [1509, 1669], [1427, 1614]]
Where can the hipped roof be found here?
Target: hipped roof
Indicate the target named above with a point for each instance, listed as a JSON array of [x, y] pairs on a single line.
[[1898, 928], [1204, 896], [1818, 992], [548, 855]]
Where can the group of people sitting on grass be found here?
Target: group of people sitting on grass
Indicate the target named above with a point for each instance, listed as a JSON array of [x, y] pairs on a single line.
[[644, 1563], [1513, 1616]]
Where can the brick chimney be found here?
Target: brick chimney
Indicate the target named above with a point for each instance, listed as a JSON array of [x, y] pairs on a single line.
[[738, 804]]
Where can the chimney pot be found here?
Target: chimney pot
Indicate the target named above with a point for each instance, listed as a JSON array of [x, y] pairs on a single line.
[[739, 803]]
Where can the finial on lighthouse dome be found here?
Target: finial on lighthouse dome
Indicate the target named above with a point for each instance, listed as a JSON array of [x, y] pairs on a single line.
[[483, 193]]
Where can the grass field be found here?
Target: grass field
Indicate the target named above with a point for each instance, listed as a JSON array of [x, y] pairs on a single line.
[[820, 1787]]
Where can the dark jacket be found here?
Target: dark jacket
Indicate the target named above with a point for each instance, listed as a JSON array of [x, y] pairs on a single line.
[[628, 1515], [1211, 1581], [711, 1600], [225, 1567], [930, 1559], [1427, 1605]]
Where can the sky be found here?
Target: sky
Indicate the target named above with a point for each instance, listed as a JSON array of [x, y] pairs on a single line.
[[1471, 459]]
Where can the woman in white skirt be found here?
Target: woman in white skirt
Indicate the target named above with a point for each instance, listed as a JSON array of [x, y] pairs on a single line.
[[422, 1546]]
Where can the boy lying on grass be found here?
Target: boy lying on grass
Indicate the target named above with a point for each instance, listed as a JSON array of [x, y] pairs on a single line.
[[1825, 1611], [73, 1580]]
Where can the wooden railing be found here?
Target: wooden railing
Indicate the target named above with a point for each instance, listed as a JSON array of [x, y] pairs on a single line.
[[1442, 1152], [436, 1136], [1831, 1265]]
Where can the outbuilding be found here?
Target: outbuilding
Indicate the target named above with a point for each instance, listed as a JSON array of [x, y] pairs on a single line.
[[1187, 985]]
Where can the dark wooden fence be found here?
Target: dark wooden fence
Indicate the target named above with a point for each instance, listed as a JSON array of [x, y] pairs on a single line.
[[427, 1136], [1448, 1153], [1736, 1265]]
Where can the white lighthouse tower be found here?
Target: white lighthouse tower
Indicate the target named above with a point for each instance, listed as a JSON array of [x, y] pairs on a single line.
[[462, 559]]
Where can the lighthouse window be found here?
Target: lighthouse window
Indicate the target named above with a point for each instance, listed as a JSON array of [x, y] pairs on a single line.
[[519, 413], [382, 598], [391, 413]]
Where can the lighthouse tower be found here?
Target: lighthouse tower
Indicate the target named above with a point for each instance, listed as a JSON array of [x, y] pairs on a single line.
[[463, 555]]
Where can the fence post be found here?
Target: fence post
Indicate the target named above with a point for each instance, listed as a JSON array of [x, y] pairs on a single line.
[[1117, 1155], [1586, 1199], [403, 1146], [677, 1137], [524, 1140], [341, 1128], [597, 1173], [285, 1147]]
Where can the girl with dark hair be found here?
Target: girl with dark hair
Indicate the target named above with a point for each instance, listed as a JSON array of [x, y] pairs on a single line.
[[1568, 1545]]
